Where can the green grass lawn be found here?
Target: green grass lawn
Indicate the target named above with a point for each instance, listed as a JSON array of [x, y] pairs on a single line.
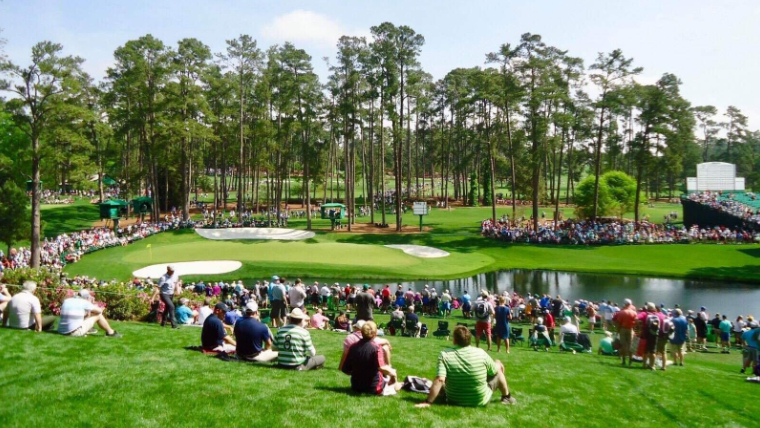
[[147, 379]]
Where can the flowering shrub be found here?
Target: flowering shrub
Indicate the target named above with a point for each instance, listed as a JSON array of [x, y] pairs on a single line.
[[120, 300]]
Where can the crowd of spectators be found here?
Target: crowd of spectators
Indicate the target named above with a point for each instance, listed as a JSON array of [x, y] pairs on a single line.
[[57, 252], [728, 204], [584, 232]]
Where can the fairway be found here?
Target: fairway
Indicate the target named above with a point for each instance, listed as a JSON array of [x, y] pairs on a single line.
[[147, 379]]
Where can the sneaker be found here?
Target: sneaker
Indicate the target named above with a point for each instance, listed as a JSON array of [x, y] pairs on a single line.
[[508, 400], [176, 327], [114, 334], [742, 371]]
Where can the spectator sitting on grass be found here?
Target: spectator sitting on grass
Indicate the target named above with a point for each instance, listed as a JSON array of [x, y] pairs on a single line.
[[342, 323], [254, 339], [366, 364], [567, 328], [5, 295], [355, 336], [24, 311], [205, 311], [466, 375], [293, 342], [214, 336], [185, 315], [79, 316], [412, 323], [319, 321], [605, 345]]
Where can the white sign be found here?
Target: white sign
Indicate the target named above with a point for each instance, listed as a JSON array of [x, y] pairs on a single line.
[[420, 208]]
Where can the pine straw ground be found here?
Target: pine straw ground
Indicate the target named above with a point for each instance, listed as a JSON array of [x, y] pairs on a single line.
[[147, 379]]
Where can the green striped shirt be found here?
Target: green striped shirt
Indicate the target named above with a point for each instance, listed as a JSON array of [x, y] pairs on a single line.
[[294, 345], [466, 371]]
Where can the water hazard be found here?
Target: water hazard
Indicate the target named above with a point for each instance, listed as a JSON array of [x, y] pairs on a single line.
[[718, 296]]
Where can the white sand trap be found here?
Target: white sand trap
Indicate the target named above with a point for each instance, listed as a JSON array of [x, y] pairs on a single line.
[[420, 251], [189, 268], [255, 233]]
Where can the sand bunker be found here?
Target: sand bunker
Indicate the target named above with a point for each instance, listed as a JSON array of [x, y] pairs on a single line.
[[189, 268], [255, 233], [420, 251]]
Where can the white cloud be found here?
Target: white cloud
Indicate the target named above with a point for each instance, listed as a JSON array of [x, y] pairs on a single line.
[[308, 27]]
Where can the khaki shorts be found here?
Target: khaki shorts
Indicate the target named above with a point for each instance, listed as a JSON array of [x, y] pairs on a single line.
[[626, 337], [86, 326]]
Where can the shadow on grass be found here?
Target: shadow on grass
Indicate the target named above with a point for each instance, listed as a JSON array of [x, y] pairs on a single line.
[[753, 252], [748, 273], [346, 390]]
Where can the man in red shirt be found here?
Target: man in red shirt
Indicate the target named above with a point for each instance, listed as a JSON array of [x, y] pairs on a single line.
[[386, 298], [625, 320]]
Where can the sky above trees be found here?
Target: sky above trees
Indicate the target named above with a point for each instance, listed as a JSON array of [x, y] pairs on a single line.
[[712, 46]]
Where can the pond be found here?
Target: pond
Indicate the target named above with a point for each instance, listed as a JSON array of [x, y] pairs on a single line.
[[722, 297]]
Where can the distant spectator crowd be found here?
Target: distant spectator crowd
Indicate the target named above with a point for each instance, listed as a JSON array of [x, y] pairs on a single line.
[[576, 232], [728, 205]]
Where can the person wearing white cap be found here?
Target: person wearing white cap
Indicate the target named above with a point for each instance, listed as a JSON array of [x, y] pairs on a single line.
[[254, 339], [79, 316], [167, 285], [296, 350], [25, 312]]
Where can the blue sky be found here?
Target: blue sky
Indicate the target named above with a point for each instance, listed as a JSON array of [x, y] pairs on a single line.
[[713, 46]]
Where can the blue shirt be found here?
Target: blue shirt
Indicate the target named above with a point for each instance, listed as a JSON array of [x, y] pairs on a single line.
[[544, 302], [213, 332], [681, 328], [466, 298], [502, 319], [231, 317], [747, 337], [184, 314], [251, 335]]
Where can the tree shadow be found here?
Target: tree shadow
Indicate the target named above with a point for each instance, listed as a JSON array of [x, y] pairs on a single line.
[[747, 273], [753, 252]]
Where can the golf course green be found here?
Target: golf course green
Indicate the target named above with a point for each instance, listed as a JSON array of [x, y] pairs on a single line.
[[363, 256]]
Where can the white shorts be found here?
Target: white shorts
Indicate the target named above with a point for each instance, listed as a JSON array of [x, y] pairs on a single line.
[[225, 347], [389, 389]]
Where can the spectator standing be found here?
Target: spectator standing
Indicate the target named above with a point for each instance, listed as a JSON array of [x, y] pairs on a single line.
[[167, 285]]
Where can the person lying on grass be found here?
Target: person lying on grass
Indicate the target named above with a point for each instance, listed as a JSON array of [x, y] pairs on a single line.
[[467, 376], [365, 363], [296, 350], [79, 315], [254, 339], [214, 336], [356, 336]]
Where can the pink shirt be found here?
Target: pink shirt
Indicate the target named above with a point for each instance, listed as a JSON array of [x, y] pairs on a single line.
[[318, 321]]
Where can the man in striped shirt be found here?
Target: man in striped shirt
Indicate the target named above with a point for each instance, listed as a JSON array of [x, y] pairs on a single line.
[[467, 376], [296, 351]]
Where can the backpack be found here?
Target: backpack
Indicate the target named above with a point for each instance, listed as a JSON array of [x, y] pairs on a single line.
[[417, 384], [653, 324], [667, 329], [481, 310]]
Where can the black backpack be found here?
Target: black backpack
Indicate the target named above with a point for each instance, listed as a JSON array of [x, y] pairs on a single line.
[[481, 310], [653, 324], [417, 384]]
